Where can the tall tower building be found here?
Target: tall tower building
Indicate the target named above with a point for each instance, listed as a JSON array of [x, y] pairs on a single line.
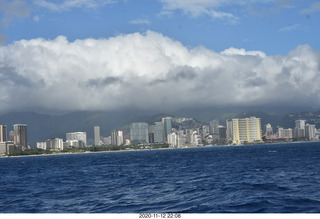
[[114, 136], [214, 124], [139, 132], [166, 127], [246, 130], [299, 130], [20, 135], [120, 138], [117, 137], [158, 135], [300, 124], [96, 131], [310, 131], [229, 130], [3, 133]]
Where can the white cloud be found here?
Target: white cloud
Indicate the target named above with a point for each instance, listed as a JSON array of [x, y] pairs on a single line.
[[150, 71], [140, 21], [315, 7], [213, 8], [69, 4], [290, 28]]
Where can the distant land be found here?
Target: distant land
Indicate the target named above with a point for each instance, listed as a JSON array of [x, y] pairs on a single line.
[[42, 126]]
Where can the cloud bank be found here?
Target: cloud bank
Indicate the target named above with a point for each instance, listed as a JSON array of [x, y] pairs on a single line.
[[150, 71]]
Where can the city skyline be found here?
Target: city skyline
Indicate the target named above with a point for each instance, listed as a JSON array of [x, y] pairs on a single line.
[[67, 56], [237, 131]]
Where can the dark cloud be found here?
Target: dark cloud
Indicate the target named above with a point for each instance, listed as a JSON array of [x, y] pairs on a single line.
[[102, 82]]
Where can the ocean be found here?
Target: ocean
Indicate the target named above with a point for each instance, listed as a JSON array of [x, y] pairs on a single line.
[[275, 178]]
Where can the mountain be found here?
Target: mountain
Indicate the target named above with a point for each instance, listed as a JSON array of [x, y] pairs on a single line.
[[42, 127]]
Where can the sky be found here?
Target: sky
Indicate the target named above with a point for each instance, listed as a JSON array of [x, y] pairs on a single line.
[[71, 55]]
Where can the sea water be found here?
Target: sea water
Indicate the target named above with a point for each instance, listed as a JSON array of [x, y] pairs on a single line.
[[273, 178]]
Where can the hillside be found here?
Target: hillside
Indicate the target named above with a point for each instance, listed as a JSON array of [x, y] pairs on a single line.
[[42, 127]]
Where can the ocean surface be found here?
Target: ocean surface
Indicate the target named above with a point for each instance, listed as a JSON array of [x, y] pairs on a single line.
[[278, 178]]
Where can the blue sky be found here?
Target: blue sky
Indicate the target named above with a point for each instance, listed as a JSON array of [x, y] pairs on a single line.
[[271, 26], [69, 55]]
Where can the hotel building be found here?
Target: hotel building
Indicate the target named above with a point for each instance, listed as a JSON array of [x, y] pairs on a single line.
[[246, 130]]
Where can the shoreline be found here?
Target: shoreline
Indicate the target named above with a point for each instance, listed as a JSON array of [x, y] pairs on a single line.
[[85, 152], [91, 152]]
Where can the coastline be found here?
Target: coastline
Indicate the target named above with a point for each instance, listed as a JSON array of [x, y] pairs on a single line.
[[85, 152], [90, 152]]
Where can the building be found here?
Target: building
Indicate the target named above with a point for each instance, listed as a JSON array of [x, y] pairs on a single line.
[[42, 145], [106, 140], [246, 130], [205, 131], [20, 135], [54, 144], [222, 133], [3, 133], [166, 127], [73, 143], [299, 131], [214, 124], [284, 133], [117, 137], [157, 130], [310, 131], [96, 133], [139, 133], [268, 131], [151, 133], [81, 137], [3, 147], [177, 140], [120, 138], [300, 124], [229, 131]]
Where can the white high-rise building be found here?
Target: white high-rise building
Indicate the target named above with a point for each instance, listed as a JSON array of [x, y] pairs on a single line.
[[310, 131], [120, 138], [78, 136], [96, 133]]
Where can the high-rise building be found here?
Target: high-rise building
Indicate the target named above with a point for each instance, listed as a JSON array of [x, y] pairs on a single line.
[[268, 131], [54, 144], [299, 130], [214, 124], [3, 133], [139, 132], [222, 133], [229, 130], [20, 135], [166, 127], [96, 131], [120, 138], [284, 133], [300, 124], [117, 137], [205, 131], [81, 137], [157, 130], [151, 133], [246, 130], [310, 131]]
